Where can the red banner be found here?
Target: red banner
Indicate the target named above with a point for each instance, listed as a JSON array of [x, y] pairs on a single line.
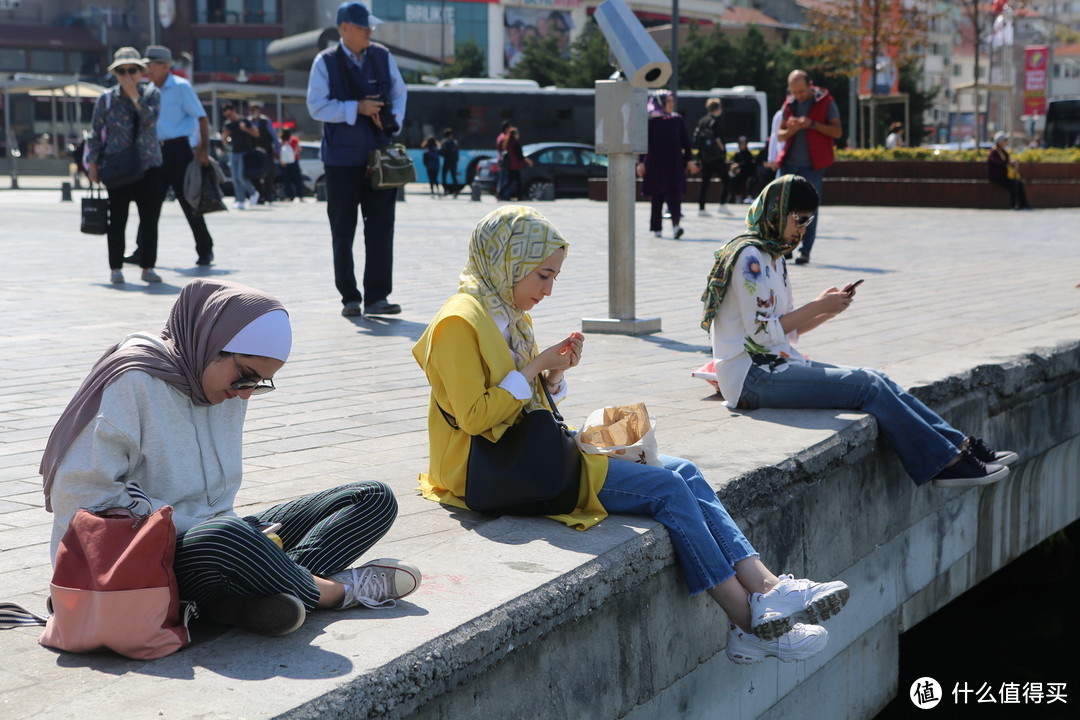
[[1035, 68]]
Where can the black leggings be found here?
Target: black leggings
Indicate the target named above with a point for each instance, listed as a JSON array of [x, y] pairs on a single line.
[[145, 194], [228, 557]]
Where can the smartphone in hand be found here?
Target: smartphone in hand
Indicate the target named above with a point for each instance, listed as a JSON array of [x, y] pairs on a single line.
[[851, 286]]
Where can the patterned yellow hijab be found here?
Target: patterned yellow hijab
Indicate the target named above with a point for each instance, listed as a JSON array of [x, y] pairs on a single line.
[[506, 246]]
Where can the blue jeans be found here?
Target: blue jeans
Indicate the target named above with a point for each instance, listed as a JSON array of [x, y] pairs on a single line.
[[707, 541], [242, 187], [924, 442], [817, 179]]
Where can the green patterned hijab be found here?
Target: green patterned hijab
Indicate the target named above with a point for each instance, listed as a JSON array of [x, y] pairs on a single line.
[[765, 221], [506, 246]]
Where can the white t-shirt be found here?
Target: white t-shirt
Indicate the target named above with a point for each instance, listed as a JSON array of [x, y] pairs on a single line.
[[746, 330]]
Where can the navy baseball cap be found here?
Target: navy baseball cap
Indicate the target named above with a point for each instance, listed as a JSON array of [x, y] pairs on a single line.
[[357, 14]]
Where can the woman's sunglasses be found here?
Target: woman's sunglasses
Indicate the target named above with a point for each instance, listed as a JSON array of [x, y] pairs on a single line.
[[257, 387], [802, 220], [128, 70]]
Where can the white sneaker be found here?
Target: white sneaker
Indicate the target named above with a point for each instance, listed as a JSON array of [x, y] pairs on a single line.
[[678, 232], [793, 601], [703, 213], [239, 205], [116, 277], [723, 208], [254, 199], [377, 584], [802, 643], [657, 233]]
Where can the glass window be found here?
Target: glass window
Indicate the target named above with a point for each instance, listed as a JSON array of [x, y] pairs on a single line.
[[47, 61], [13, 59], [588, 157], [237, 12], [87, 62], [232, 54]]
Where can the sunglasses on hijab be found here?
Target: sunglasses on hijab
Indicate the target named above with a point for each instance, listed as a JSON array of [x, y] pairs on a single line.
[[257, 387]]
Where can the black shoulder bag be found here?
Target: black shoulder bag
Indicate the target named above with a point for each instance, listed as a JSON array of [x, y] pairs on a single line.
[[534, 468], [122, 167]]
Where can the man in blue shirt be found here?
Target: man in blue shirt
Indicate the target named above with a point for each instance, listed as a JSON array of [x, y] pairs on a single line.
[[347, 89], [181, 114]]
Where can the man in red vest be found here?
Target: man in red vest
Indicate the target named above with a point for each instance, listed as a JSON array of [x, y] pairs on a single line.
[[809, 130]]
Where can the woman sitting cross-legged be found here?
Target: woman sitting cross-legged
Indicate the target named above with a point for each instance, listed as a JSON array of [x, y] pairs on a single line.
[[159, 421], [754, 324], [485, 368]]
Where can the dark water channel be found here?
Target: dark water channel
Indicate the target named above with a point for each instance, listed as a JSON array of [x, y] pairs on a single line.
[[1015, 631]]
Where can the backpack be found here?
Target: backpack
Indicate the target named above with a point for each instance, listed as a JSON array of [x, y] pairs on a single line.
[[705, 141], [287, 156]]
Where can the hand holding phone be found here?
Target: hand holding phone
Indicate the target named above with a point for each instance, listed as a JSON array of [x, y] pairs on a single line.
[[851, 286]]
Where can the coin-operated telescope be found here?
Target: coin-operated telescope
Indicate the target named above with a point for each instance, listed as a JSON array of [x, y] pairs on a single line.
[[635, 52]]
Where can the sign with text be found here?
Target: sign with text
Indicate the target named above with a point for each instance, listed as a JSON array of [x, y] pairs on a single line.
[[1035, 69]]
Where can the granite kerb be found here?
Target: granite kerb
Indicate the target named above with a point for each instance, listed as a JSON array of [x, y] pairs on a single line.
[[447, 663]]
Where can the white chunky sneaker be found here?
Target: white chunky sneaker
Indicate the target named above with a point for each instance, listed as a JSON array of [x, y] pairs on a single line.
[[377, 584], [793, 601], [802, 643]]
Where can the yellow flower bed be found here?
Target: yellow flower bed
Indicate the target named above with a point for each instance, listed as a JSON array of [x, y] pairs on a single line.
[[1048, 155]]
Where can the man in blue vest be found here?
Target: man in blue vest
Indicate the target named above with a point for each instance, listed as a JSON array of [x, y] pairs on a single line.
[[347, 90]]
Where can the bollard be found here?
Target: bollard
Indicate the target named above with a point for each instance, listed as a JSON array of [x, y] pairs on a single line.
[[475, 192], [65, 192], [14, 181]]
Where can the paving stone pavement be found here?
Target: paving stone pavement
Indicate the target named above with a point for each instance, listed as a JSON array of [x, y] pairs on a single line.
[[944, 290]]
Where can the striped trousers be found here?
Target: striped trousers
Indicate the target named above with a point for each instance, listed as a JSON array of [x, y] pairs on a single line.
[[228, 558]]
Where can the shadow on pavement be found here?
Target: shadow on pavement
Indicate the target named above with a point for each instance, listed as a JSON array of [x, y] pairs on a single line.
[[380, 326]]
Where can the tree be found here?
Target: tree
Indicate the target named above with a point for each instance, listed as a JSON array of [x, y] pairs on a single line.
[[590, 58], [980, 16], [706, 60], [848, 36], [469, 61], [543, 62]]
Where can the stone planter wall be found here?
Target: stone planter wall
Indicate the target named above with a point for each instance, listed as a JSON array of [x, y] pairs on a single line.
[[915, 183]]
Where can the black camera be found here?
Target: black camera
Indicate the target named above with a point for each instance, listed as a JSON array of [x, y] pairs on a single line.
[[390, 124]]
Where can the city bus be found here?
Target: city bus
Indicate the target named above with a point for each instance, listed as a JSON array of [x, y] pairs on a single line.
[[1063, 124], [475, 110]]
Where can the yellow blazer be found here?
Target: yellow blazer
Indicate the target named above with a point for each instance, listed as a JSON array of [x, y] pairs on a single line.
[[465, 357]]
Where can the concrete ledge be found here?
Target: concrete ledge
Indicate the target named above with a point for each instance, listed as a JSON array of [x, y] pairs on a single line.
[[614, 635], [534, 619]]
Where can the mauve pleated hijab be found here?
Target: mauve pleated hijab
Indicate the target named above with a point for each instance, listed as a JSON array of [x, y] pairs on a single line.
[[204, 318]]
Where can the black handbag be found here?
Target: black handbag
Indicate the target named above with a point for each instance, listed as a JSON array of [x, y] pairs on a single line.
[[121, 168], [534, 468], [95, 213]]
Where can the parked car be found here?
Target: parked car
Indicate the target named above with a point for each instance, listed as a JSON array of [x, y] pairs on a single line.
[[566, 167], [311, 168]]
